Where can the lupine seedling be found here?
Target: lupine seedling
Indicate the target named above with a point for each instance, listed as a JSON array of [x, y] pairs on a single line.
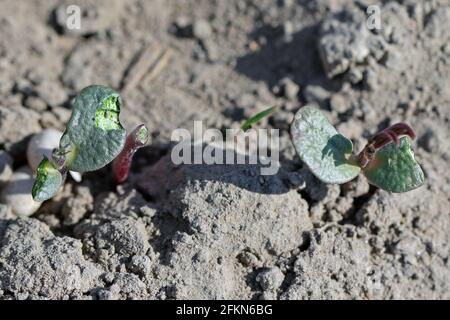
[[93, 138], [387, 160]]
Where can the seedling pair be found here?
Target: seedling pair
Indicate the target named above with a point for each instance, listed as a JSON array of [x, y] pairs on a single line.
[[387, 160], [93, 138]]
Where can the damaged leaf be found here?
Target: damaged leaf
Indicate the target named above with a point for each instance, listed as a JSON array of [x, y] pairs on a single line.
[[94, 134], [48, 181]]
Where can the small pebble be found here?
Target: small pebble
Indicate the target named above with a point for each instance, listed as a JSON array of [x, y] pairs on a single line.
[[270, 278], [42, 144], [140, 265], [36, 103], [355, 75], [288, 31], [338, 103], [147, 211], [212, 50], [201, 29], [76, 176], [17, 193], [108, 277], [317, 94], [5, 167], [248, 259], [289, 88]]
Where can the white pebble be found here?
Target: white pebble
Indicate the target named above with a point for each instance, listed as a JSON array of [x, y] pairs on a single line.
[[42, 144], [5, 167], [201, 29], [76, 176], [17, 193]]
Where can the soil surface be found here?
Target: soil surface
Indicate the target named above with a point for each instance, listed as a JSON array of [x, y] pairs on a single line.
[[225, 232]]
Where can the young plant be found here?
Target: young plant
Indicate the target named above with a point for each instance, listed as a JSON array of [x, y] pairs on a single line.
[[93, 138], [248, 124], [387, 160]]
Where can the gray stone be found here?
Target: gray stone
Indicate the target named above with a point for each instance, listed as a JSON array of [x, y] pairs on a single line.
[[201, 29], [270, 278], [345, 41]]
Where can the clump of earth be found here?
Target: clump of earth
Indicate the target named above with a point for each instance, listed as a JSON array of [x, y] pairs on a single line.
[[224, 231]]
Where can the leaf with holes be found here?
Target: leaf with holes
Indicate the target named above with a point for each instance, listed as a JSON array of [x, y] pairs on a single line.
[[322, 148], [48, 181], [394, 168], [94, 134]]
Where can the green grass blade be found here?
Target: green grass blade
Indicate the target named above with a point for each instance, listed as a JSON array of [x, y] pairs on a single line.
[[247, 125]]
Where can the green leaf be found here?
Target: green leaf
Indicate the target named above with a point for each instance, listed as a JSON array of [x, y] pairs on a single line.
[[247, 125], [141, 135], [322, 148], [394, 168], [94, 135], [48, 181]]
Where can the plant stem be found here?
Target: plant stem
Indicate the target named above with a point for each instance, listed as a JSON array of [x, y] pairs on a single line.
[[382, 138], [135, 140]]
